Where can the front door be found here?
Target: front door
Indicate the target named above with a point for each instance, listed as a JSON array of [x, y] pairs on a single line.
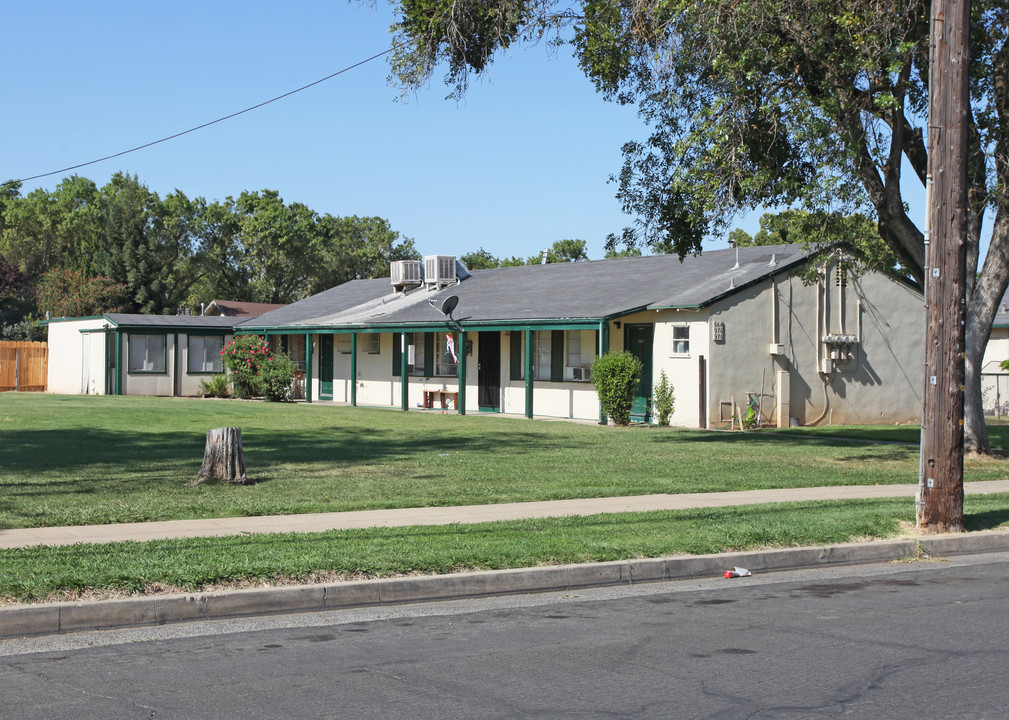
[[326, 367], [638, 341], [489, 372]]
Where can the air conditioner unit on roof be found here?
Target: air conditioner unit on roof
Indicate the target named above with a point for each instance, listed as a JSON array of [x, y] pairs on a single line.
[[405, 274], [439, 270]]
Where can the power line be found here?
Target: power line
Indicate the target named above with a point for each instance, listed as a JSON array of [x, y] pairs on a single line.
[[208, 124]]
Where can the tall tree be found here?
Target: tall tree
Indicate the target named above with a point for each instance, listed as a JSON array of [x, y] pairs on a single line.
[[808, 103]]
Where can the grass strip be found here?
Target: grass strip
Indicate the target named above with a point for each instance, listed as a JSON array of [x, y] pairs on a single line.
[[47, 573]]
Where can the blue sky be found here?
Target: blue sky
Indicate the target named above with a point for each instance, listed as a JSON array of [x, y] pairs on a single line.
[[522, 162]]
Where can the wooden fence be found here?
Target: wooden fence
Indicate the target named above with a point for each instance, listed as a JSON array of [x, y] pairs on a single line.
[[23, 366]]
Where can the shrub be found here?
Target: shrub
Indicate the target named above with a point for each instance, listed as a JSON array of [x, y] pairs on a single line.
[[216, 386], [665, 399], [276, 378], [615, 376], [243, 356]]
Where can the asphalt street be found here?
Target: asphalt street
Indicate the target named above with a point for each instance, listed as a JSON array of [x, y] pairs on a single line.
[[896, 640]]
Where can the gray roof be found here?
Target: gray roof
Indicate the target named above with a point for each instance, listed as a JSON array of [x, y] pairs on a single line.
[[179, 322], [556, 292]]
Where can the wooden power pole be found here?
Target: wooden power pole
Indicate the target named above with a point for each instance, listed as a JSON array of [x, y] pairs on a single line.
[[940, 484]]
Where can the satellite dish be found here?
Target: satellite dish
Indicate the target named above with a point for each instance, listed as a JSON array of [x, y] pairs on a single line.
[[448, 304]]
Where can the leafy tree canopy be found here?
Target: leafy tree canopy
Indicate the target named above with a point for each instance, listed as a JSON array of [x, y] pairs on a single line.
[[812, 104]]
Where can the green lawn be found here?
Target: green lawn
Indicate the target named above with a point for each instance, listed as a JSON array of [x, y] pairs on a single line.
[[89, 460], [74, 460]]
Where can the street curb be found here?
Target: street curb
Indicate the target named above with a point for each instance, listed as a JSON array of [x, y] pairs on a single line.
[[65, 617]]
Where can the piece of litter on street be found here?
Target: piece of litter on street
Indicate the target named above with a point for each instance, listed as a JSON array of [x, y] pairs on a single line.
[[737, 572]]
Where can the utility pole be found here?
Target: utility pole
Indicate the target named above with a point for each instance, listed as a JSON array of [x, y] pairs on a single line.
[[939, 505]]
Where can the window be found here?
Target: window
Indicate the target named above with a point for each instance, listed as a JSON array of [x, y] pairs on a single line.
[[148, 353], [343, 344], [370, 343], [446, 359], [579, 354], [542, 351], [556, 355], [205, 353], [416, 341], [681, 339]]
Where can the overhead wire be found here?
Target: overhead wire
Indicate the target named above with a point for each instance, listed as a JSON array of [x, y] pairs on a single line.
[[207, 124]]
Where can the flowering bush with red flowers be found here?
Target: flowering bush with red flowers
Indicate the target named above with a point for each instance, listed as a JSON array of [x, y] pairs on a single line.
[[256, 370]]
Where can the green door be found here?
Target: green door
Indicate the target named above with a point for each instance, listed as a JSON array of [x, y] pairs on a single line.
[[325, 367], [638, 341]]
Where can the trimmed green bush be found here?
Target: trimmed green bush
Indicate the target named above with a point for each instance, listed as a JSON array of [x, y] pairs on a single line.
[[615, 376], [665, 400], [276, 377]]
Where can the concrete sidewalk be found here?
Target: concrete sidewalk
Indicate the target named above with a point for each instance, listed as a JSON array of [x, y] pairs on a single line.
[[147, 610], [462, 514]]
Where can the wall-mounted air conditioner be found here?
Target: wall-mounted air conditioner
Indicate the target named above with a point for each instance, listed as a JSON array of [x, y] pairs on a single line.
[[406, 274], [578, 373], [439, 271]]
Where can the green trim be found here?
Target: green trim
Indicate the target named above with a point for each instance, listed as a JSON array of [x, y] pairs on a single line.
[[397, 351], [118, 385], [308, 368], [557, 352], [501, 326], [175, 362], [404, 376], [529, 372], [461, 368], [515, 355], [602, 347], [353, 369]]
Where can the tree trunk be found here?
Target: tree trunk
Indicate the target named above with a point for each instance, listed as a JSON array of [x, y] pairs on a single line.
[[223, 457], [982, 305]]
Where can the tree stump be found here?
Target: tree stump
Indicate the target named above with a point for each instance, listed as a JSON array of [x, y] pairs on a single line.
[[223, 457]]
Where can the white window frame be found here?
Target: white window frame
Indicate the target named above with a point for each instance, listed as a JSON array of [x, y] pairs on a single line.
[[681, 345]]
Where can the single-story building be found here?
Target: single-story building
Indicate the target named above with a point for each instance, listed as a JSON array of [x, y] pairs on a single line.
[[995, 380], [128, 354], [731, 329]]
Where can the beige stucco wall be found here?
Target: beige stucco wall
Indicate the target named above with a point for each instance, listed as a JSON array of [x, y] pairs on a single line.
[[681, 369], [881, 383], [995, 380], [76, 359], [376, 386]]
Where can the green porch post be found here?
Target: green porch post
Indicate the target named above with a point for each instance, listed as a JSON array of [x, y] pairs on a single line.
[[175, 363], [119, 363], [529, 372], [404, 378], [462, 371], [604, 346], [353, 369], [308, 367]]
